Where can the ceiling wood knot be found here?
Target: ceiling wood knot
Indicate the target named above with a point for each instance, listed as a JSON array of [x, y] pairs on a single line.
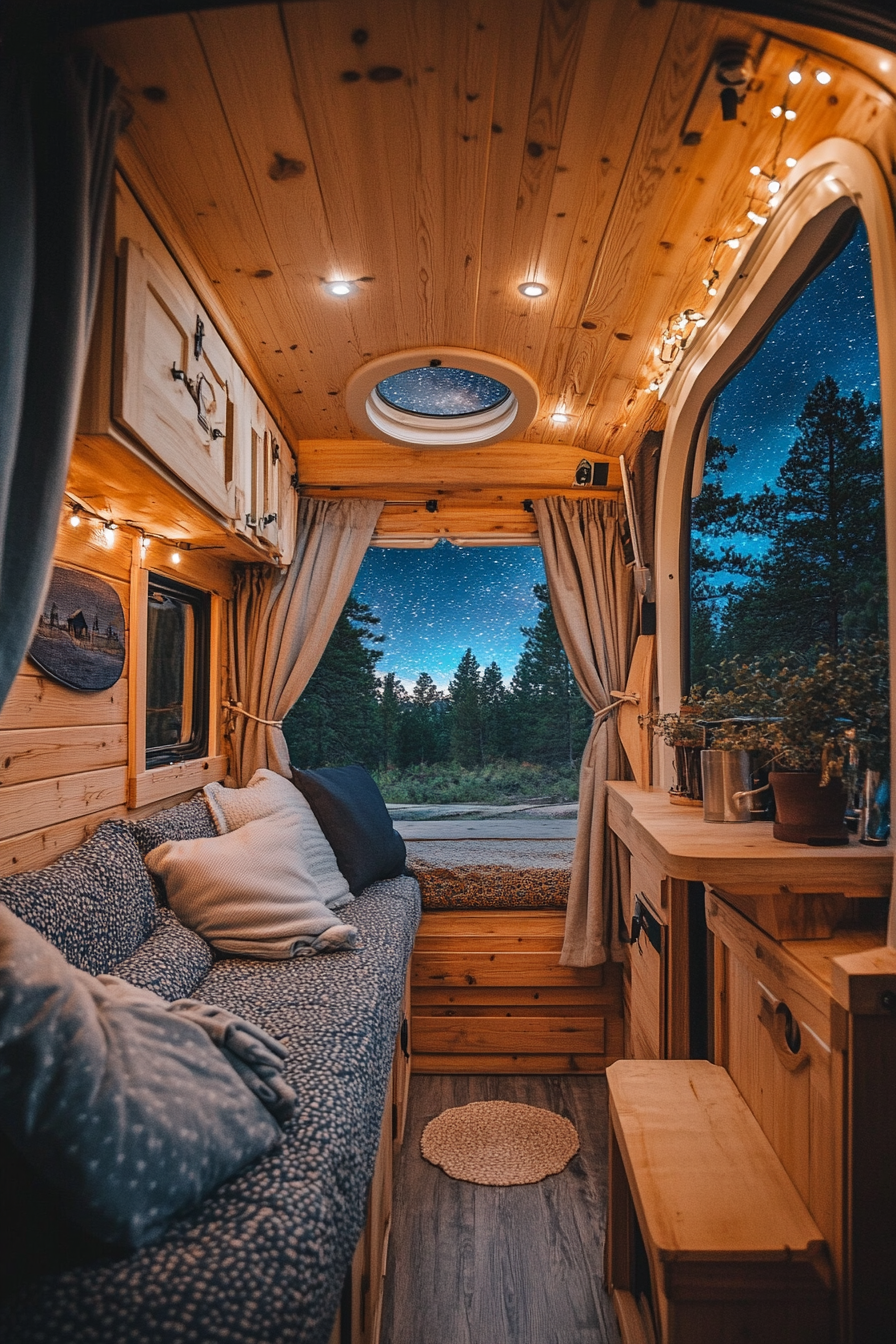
[[283, 168]]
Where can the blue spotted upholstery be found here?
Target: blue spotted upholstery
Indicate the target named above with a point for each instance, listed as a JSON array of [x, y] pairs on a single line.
[[95, 904], [263, 1259], [171, 962]]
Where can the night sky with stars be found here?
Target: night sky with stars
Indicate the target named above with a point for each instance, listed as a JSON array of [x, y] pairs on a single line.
[[829, 329], [434, 604]]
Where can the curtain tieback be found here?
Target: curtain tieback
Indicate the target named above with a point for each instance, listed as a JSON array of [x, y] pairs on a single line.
[[236, 707], [619, 698]]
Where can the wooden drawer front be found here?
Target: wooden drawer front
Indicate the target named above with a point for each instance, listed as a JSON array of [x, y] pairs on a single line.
[[186, 421], [499, 1035], [764, 998], [646, 883], [498, 968]]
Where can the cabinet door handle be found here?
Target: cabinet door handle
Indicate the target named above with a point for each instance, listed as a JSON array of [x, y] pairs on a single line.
[[784, 1032]]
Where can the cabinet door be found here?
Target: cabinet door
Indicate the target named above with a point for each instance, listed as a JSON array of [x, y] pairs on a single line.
[[288, 510], [648, 994], [171, 385]]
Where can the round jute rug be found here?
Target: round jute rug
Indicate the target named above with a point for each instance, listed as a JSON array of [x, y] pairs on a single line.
[[499, 1143]]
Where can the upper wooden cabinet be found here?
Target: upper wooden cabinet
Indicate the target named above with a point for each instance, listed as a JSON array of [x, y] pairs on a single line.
[[173, 375], [162, 382]]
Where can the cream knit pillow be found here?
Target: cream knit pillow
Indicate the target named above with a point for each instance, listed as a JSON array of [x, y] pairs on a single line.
[[250, 891], [268, 795]]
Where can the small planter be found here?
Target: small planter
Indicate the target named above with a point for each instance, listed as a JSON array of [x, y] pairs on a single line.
[[807, 814], [687, 791]]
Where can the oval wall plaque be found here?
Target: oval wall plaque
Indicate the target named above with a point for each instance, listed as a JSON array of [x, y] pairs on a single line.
[[80, 635]]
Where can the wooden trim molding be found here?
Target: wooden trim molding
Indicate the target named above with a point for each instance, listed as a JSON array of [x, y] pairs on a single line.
[[151, 786]]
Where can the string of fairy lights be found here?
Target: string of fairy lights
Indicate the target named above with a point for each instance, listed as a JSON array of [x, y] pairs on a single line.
[[764, 194], [108, 529]]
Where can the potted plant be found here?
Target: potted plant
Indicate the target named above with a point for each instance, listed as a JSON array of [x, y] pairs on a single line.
[[833, 718], [685, 734]]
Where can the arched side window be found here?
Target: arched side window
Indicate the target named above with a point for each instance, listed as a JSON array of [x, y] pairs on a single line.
[[832, 182]]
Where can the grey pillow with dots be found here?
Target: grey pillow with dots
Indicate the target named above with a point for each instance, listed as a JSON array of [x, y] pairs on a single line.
[[129, 1111]]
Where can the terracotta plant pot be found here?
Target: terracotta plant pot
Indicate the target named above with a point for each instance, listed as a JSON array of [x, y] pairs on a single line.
[[807, 814]]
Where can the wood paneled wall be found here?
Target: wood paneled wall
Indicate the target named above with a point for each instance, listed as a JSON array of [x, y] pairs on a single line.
[[64, 764]]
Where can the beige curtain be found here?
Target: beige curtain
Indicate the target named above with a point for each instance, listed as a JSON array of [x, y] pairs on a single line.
[[593, 599], [283, 620]]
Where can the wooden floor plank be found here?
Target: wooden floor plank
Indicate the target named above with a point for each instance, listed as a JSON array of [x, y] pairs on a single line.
[[489, 1265]]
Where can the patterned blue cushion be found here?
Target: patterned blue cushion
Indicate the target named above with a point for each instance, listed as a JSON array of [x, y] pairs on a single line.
[[263, 1258], [171, 962], [95, 904], [187, 821]]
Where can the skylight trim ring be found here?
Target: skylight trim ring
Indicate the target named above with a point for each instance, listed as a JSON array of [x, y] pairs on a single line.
[[508, 418]]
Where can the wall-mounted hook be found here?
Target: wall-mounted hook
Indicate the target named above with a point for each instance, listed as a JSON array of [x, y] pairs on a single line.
[[198, 337]]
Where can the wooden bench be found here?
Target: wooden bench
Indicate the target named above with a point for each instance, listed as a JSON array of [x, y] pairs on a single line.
[[708, 1241], [488, 995]]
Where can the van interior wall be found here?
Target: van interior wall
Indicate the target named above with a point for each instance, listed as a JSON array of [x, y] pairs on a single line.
[[65, 764]]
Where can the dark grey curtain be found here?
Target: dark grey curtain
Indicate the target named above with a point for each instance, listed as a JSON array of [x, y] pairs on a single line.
[[59, 121]]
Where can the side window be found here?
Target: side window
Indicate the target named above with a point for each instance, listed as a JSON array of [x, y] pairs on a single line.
[[177, 672]]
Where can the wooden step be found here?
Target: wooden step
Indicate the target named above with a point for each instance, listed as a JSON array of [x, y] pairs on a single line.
[[498, 968], [498, 1035]]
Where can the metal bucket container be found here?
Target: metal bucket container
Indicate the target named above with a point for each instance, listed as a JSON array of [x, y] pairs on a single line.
[[727, 785]]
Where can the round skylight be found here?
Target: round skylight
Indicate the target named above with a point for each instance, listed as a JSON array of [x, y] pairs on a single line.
[[442, 390], [441, 397]]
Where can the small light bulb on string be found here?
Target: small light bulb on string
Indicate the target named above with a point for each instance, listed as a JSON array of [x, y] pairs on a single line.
[[774, 186], [777, 111], [790, 115], [795, 77], [75, 520], [733, 243], [109, 534], [822, 76], [791, 163], [755, 218], [144, 547], [755, 170], [175, 557], [655, 385]]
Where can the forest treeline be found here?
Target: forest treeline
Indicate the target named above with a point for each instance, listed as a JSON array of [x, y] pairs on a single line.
[[350, 712], [800, 564]]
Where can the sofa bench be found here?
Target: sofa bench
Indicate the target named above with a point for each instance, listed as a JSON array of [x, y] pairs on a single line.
[[264, 1257]]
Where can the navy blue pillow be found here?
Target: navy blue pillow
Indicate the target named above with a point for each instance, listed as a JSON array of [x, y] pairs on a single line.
[[96, 904], [352, 815]]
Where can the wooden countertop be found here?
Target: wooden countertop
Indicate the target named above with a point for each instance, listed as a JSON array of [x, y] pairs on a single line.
[[687, 847]]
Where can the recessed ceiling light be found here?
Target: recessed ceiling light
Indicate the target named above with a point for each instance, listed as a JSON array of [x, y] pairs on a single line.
[[339, 288], [532, 290], [822, 76]]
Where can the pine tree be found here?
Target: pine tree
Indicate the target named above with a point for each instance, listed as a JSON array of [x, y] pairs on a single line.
[[493, 697], [394, 700], [823, 574], [421, 731], [336, 719], [464, 693], [550, 719]]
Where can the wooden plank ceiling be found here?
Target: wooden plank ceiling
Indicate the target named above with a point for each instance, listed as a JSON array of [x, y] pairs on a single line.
[[441, 152]]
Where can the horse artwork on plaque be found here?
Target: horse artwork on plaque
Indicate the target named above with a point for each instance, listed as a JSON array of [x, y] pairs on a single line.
[[80, 635]]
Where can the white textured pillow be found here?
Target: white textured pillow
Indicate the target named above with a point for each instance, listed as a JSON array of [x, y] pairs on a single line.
[[269, 795], [250, 892]]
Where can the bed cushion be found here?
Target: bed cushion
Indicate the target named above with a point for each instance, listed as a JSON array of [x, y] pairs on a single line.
[[264, 1258], [492, 875], [268, 794], [95, 904], [188, 821], [352, 815], [248, 892], [170, 963], [127, 1109]]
